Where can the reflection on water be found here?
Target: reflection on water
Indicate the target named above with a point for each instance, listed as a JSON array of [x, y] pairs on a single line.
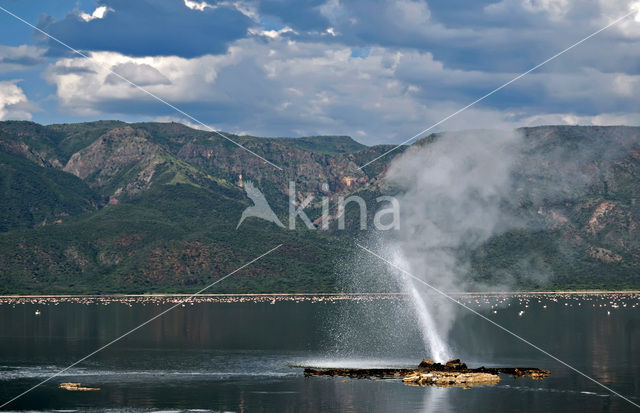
[[238, 356], [435, 400]]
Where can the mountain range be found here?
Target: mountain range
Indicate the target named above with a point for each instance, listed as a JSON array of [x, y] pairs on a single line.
[[113, 207]]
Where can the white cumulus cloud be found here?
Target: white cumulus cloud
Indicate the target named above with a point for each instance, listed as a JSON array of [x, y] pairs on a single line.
[[98, 13], [197, 5], [277, 86], [21, 57], [13, 102], [246, 8]]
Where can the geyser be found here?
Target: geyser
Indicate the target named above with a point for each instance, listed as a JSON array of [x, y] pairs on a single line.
[[451, 190], [433, 341], [456, 191]]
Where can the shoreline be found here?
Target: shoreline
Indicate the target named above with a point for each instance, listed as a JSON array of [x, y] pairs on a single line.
[[275, 295], [479, 299]]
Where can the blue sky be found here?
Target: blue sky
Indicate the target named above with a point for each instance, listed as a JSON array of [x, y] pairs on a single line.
[[378, 70]]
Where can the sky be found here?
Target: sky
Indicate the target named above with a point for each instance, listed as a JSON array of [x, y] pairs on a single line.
[[377, 70]]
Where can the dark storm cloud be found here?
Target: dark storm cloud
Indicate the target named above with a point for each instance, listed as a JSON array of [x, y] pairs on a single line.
[[301, 15], [21, 60], [149, 28]]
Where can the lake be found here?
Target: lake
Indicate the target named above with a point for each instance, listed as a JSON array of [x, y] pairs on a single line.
[[243, 354]]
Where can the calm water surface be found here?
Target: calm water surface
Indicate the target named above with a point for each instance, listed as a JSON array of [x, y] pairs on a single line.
[[241, 356]]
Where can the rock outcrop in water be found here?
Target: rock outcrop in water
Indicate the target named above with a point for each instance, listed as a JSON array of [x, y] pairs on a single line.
[[452, 379], [76, 387], [453, 373]]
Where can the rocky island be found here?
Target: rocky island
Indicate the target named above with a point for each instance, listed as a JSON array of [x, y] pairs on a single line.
[[453, 373]]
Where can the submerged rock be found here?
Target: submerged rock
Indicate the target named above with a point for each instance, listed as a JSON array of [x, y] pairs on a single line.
[[453, 373]]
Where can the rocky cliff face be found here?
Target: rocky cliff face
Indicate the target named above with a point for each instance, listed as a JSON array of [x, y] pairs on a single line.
[[308, 169], [122, 161], [130, 155], [117, 149]]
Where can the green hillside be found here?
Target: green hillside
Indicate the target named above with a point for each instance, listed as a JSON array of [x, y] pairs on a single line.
[[105, 207], [35, 196]]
